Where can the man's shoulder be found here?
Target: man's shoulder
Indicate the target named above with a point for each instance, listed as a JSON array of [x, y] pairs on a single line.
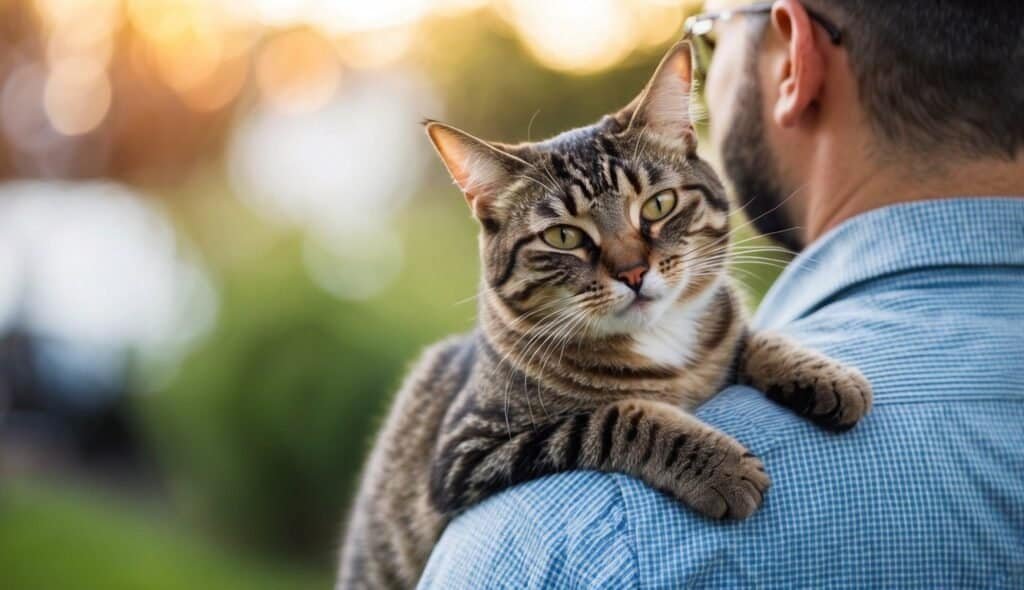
[[550, 532], [838, 502], [589, 525]]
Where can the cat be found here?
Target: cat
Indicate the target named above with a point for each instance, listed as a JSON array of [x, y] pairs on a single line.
[[607, 312]]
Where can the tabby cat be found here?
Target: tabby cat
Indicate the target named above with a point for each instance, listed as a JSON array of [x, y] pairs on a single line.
[[607, 312]]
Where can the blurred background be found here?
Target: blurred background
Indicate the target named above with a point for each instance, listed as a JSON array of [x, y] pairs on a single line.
[[223, 237]]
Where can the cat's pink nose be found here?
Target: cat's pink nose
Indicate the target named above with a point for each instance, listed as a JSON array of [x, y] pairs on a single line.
[[633, 277]]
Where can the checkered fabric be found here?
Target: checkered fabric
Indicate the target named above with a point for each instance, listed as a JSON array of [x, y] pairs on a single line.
[[927, 299]]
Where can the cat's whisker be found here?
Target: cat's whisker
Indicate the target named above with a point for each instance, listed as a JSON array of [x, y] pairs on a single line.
[[539, 345], [735, 258], [585, 319], [488, 289], [562, 333], [757, 260], [749, 222], [727, 253], [788, 253], [568, 325], [731, 259], [571, 331], [547, 172], [512, 325], [555, 325], [537, 340], [529, 126], [639, 142], [538, 326], [532, 179], [778, 253]]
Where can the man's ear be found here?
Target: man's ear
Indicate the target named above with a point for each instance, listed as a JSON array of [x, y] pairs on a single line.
[[801, 75], [479, 168], [663, 109]]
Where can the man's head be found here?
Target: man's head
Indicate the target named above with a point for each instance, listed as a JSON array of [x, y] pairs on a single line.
[[923, 87]]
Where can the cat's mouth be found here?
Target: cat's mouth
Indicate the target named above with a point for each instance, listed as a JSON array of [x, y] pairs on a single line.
[[640, 302]]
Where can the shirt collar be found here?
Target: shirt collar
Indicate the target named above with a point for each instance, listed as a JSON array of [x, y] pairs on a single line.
[[976, 231]]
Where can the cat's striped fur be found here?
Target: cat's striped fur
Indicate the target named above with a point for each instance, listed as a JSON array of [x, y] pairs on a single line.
[[581, 361]]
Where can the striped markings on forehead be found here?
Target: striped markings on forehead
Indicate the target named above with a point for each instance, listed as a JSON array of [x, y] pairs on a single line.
[[584, 183]]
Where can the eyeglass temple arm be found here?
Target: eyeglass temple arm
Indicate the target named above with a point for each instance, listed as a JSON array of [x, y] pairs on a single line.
[[834, 34]]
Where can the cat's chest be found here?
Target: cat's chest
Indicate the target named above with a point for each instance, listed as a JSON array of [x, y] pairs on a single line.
[[673, 341]]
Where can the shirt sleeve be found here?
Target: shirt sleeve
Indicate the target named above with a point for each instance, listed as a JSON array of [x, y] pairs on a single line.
[[564, 531]]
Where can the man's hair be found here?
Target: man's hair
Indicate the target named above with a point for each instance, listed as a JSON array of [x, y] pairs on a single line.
[[938, 75]]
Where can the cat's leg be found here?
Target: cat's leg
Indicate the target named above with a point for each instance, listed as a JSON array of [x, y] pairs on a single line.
[[825, 391], [656, 442]]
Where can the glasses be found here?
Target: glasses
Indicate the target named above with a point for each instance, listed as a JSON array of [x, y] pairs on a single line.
[[699, 29]]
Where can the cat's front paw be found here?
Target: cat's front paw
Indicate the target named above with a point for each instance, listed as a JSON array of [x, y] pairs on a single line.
[[730, 483], [825, 391], [851, 395]]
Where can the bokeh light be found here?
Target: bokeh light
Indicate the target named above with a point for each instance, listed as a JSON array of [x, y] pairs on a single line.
[[342, 170], [586, 36], [77, 95], [22, 114], [377, 49], [297, 71], [81, 284], [355, 265], [354, 16], [581, 35], [11, 283]]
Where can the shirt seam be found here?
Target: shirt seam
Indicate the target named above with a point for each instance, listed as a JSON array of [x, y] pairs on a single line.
[[629, 531], [931, 399], [844, 292]]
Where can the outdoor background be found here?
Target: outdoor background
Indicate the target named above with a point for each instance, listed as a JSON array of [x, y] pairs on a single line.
[[223, 237]]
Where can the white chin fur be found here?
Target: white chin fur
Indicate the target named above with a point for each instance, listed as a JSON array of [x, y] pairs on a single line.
[[623, 319], [672, 340], [665, 331]]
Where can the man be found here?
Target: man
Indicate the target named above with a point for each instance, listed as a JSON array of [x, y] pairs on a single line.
[[892, 135]]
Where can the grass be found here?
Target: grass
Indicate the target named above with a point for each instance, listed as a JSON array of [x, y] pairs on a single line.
[[56, 538]]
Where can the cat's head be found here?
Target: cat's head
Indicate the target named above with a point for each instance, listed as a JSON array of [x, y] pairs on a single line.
[[609, 225]]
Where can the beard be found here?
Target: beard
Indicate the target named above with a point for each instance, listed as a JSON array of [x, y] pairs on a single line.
[[751, 166]]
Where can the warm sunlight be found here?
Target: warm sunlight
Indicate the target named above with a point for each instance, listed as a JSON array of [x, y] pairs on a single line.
[[191, 40], [586, 36], [583, 35]]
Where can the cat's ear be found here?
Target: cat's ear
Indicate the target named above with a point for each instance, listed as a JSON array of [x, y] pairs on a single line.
[[663, 109], [481, 169]]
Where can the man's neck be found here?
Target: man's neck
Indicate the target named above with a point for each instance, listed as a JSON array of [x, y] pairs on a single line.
[[835, 193]]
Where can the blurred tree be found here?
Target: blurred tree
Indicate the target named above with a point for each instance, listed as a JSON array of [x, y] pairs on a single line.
[[266, 426], [495, 90]]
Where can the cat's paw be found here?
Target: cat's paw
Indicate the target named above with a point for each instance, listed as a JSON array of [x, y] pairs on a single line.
[[731, 487], [843, 396], [825, 391]]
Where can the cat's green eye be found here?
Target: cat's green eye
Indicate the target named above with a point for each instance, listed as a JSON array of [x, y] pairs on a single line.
[[563, 237], [659, 206]]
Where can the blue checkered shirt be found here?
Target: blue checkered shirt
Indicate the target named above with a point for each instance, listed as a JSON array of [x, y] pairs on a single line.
[[927, 299]]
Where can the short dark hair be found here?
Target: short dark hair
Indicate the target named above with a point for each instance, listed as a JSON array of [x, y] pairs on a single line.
[[938, 74]]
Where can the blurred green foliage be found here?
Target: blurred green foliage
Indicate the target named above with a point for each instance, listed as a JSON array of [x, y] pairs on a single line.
[[53, 538], [267, 423]]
